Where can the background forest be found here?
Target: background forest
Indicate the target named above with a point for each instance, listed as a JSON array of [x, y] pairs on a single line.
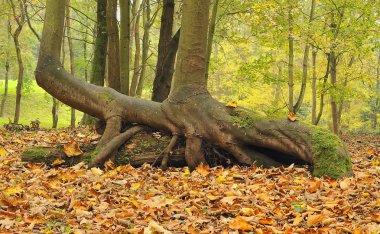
[[318, 59]]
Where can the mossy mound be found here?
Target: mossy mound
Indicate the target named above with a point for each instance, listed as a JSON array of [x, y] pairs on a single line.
[[330, 157]]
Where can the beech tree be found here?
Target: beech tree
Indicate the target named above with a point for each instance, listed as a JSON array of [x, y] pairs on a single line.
[[189, 111]]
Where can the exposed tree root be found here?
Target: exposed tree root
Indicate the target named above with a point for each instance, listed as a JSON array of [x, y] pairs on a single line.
[[167, 152], [106, 151], [193, 152]]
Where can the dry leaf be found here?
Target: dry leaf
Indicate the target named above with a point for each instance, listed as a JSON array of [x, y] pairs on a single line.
[[314, 220], [203, 169], [57, 162], [345, 184], [3, 153], [240, 224], [292, 117], [72, 149]]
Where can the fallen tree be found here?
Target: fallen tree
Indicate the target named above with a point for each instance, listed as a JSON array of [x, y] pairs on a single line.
[[189, 111]]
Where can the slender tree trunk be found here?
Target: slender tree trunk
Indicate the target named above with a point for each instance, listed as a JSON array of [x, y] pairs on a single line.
[[147, 24], [342, 101], [125, 33], [334, 105], [277, 91], [71, 54], [99, 61], [6, 78], [164, 74], [177, 14], [113, 46], [136, 67], [291, 60], [20, 20], [377, 93], [134, 12], [321, 102], [314, 88], [211, 32], [298, 104]]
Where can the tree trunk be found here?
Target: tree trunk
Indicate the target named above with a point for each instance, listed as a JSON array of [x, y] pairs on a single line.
[[314, 88], [377, 95], [189, 111], [291, 61], [113, 46], [211, 32], [144, 59], [6, 77], [136, 67], [71, 54], [20, 20], [99, 61], [125, 33], [298, 104], [321, 102], [165, 63]]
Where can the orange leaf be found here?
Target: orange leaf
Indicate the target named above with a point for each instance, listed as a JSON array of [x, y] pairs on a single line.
[[314, 220], [314, 186], [72, 149], [266, 221], [292, 117], [57, 162], [203, 169], [240, 224]]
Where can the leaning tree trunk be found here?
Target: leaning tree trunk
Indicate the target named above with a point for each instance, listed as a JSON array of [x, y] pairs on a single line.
[[125, 27], [189, 111], [20, 20]]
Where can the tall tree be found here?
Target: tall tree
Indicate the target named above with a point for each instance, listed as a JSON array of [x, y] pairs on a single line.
[[6, 77], [19, 17], [113, 67], [136, 66], [147, 22], [189, 111], [125, 32], [211, 32], [167, 49], [71, 54], [291, 58]]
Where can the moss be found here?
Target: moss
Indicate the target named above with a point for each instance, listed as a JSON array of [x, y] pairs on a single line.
[[330, 157], [105, 96], [90, 156], [244, 118], [36, 154]]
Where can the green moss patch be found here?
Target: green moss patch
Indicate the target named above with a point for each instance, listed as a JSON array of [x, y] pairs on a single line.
[[244, 118], [330, 157]]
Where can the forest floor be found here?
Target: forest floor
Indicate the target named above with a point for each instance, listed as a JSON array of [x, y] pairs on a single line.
[[38, 198]]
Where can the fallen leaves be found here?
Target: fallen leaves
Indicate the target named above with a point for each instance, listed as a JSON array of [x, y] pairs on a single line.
[[34, 198]]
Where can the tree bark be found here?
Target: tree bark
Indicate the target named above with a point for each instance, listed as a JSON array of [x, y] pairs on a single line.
[[314, 88], [99, 61], [164, 74], [6, 77], [291, 60], [71, 55], [136, 67], [211, 32], [125, 27], [189, 111], [145, 48], [113, 46], [298, 104]]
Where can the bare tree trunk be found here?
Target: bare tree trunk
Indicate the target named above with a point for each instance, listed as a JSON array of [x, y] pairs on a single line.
[[6, 78], [211, 32], [71, 54], [125, 33], [377, 93], [165, 63], [113, 46], [20, 20], [314, 88], [321, 102], [298, 104], [136, 67], [291, 60]]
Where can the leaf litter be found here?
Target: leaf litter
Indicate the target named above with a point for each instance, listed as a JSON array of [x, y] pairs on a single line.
[[123, 199]]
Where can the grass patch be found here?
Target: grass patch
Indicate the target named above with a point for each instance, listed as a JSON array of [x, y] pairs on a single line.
[[35, 104]]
